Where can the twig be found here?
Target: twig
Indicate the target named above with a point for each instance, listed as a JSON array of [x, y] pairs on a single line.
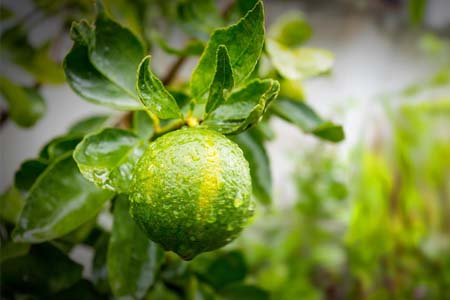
[[4, 116], [173, 71]]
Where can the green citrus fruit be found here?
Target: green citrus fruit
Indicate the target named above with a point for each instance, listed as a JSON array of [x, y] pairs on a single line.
[[191, 191]]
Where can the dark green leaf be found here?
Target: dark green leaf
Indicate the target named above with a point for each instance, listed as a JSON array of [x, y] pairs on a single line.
[[243, 40], [241, 292], [33, 272], [243, 108], [142, 124], [99, 268], [255, 153], [58, 202], [291, 29], [5, 13], [154, 95], [102, 64], [91, 85], [107, 158], [300, 63], [12, 249], [11, 204], [300, 114], [59, 146], [89, 125], [223, 80], [133, 259], [116, 52], [82, 290], [416, 11], [28, 172], [224, 269], [25, 105]]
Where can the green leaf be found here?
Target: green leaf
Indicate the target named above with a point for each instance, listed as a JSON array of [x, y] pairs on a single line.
[[142, 124], [91, 85], [25, 105], [58, 202], [59, 146], [32, 272], [154, 95], [116, 52], [240, 292], [99, 268], [243, 108], [28, 172], [11, 204], [89, 125], [254, 151], [5, 13], [291, 29], [416, 11], [107, 158], [223, 80], [133, 259], [102, 64], [300, 63], [12, 249], [306, 119], [224, 269], [244, 42]]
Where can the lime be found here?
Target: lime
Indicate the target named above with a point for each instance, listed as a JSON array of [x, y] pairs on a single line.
[[191, 191]]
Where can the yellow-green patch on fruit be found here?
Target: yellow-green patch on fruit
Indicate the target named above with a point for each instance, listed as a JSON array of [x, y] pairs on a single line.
[[191, 191]]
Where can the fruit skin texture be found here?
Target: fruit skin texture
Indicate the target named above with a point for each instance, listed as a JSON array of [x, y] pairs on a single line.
[[191, 191]]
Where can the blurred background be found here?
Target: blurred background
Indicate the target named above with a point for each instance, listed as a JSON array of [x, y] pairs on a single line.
[[367, 218]]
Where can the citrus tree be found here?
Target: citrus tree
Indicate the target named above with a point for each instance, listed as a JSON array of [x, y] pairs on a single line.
[[178, 169]]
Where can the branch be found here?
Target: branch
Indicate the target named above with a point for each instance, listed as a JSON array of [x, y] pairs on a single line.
[[4, 116]]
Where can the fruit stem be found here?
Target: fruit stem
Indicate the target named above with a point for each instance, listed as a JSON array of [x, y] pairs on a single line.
[[169, 127]]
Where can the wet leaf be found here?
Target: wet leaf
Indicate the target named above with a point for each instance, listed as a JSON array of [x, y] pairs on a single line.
[[243, 40], [154, 95], [28, 172], [133, 259], [223, 80], [102, 64], [59, 146], [107, 158], [243, 108], [58, 202]]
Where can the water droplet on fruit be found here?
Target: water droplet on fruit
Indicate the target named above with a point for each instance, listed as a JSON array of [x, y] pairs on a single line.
[[237, 202]]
